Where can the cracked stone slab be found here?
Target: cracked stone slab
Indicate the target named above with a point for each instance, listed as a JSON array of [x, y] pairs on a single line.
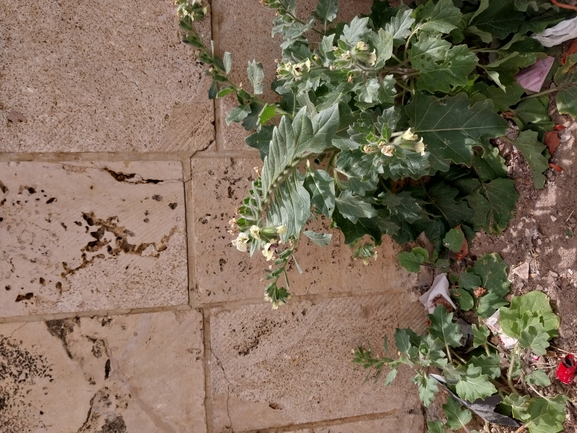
[[276, 368], [121, 374], [83, 236], [99, 77], [224, 274]]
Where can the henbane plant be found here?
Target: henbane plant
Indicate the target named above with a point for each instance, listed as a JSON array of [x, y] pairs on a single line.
[[385, 124]]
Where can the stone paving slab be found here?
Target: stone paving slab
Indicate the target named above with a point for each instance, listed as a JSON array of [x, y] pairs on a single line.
[[100, 76], [274, 368], [84, 236], [406, 423], [121, 374], [224, 274]]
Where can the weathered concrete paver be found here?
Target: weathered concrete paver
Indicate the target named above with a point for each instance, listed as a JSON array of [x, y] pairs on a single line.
[[123, 374], [100, 76], [224, 274], [83, 236], [274, 368], [406, 423]]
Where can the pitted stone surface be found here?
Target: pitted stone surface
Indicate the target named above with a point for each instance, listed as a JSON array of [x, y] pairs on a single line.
[[273, 368], [109, 374], [100, 76], [224, 274], [83, 236]]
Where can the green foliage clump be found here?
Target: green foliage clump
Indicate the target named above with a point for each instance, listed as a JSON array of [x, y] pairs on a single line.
[[385, 124]]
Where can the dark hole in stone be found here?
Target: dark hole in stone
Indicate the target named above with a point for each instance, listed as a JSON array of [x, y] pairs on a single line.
[[41, 280], [88, 219], [157, 197], [115, 425], [25, 297], [173, 205], [8, 288], [31, 190], [107, 368], [59, 285], [51, 200], [1, 219]]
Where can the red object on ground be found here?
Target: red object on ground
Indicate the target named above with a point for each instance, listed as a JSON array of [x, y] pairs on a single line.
[[566, 370]]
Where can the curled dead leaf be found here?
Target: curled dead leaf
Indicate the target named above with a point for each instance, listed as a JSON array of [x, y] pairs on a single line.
[[552, 141], [555, 167], [440, 300]]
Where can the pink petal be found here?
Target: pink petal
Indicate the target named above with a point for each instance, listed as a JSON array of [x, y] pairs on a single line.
[[532, 78]]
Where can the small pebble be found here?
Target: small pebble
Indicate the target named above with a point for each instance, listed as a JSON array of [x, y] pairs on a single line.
[[553, 218]]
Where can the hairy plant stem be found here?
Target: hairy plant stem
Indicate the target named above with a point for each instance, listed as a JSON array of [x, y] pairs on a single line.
[[511, 367]]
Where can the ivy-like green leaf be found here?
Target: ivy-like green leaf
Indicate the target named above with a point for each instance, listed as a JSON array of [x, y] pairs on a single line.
[[450, 127], [490, 364], [547, 414], [532, 309], [441, 66], [261, 140], [321, 187], [475, 385], [441, 16], [519, 405], [402, 204], [499, 19], [538, 377], [435, 427], [454, 240], [532, 150], [444, 199], [354, 207], [535, 338], [492, 270], [457, 417], [256, 76], [400, 25], [383, 42], [405, 339], [413, 260], [469, 281], [443, 328], [493, 205], [566, 79], [480, 335], [238, 114], [427, 388], [357, 30], [320, 239], [464, 299], [327, 10]]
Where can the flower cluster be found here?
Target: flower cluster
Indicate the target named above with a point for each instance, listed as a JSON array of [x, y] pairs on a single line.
[[346, 57], [191, 9], [406, 139], [267, 238], [292, 70]]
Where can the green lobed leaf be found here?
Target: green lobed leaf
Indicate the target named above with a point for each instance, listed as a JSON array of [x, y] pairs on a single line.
[[427, 387], [469, 281], [400, 25], [405, 339], [402, 204], [320, 239], [566, 79], [441, 66], [321, 187], [357, 30], [256, 76], [435, 427], [445, 200], [450, 127], [532, 309], [490, 364], [391, 377], [547, 415], [374, 227], [383, 42], [535, 338], [492, 270], [500, 19], [261, 140], [493, 205], [327, 10], [454, 240], [238, 114], [463, 298], [441, 16], [538, 377], [457, 417], [413, 260], [475, 385], [480, 335], [354, 207], [519, 405], [443, 328]]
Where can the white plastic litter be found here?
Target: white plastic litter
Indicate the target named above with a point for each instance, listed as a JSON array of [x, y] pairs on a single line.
[[493, 324], [440, 287], [562, 32]]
